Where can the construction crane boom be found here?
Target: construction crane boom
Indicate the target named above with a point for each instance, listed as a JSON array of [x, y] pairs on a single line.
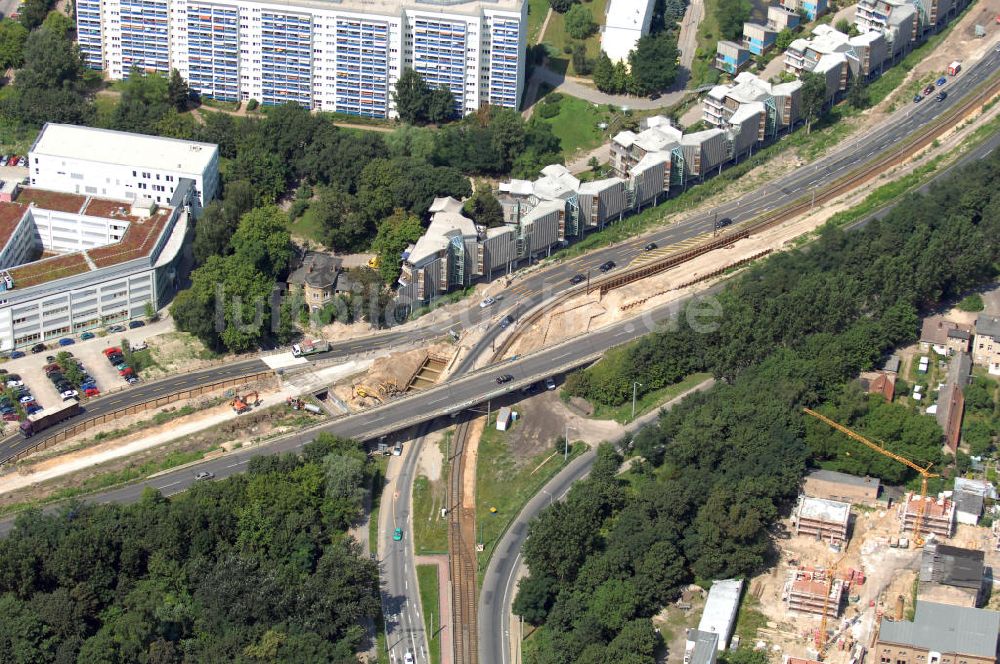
[[925, 473]]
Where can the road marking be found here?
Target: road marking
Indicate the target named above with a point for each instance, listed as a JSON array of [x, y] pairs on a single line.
[[238, 463], [171, 484]]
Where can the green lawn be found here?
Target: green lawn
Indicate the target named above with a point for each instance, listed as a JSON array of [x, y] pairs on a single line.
[[648, 401], [537, 9], [378, 483], [306, 226], [557, 38], [750, 619], [702, 70], [576, 125], [506, 483], [427, 579]]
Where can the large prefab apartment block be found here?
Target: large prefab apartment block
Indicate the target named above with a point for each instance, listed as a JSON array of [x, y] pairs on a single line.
[[98, 236], [330, 56]]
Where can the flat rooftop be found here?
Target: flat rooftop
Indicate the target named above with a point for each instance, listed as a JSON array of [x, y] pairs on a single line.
[[821, 509], [10, 217], [844, 478], [122, 148], [931, 507], [138, 240], [946, 629]]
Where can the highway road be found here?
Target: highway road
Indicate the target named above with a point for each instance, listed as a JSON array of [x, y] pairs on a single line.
[[499, 583], [404, 626]]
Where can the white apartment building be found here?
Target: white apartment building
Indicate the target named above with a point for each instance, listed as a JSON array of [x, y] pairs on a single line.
[[625, 23], [94, 247], [343, 56], [120, 165]]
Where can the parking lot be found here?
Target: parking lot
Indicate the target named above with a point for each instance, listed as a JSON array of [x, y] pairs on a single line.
[[89, 353]]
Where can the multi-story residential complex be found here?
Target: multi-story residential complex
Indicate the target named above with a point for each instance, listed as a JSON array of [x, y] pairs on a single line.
[[120, 165], [752, 110], [811, 8], [837, 57], [986, 344], [625, 22], [731, 57], [332, 56], [780, 18], [758, 38], [904, 22], [94, 248], [939, 634]]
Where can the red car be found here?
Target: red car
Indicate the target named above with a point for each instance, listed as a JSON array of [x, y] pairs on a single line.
[[11, 417], [92, 392], [114, 350], [127, 371]]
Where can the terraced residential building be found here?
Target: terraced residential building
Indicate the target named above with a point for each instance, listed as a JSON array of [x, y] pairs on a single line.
[[343, 56]]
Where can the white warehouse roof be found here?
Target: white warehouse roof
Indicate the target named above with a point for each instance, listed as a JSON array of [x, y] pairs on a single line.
[[123, 148], [719, 616], [625, 23]]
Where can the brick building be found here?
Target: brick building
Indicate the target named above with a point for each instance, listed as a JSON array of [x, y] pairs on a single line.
[[831, 485], [939, 634]]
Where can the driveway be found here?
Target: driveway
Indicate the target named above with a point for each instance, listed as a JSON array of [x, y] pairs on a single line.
[[687, 43]]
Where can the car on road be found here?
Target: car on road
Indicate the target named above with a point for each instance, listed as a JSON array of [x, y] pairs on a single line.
[[204, 475], [38, 348], [550, 383], [917, 98], [654, 96], [649, 247], [505, 378], [576, 278], [941, 96], [87, 335], [408, 657], [397, 534], [928, 89], [506, 322], [116, 328], [725, 221], [136, 323], [16, 354], [488, 302], [606, 265], [941, 81], [66, 341]]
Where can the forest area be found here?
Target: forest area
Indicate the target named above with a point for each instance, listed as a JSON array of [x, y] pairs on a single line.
[[716, 471], [254, 568]]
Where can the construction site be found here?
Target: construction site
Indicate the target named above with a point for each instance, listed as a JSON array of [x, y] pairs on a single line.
[[853, 580]]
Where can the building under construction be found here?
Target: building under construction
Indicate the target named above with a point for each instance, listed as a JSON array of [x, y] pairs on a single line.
[[822, 519], [809, 590], [938, 515]]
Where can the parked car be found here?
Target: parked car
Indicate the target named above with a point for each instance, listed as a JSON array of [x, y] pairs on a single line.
[[550, 383], [127, 371], [488, 302], [606, 265], [928, 89], [505, 378], [38, 348], [50, 358], [26, 399], [134, 324], [131, 380], [16, 354], [91, 392], [87, 335], [113, 349], [14, 382], [32, 408], [576, 278], [69, 394], [10, 417], [917, 98], [649, 247], [22, 162], [941, 81], [66, 341], [941, 96], [506, 322], [116, 328]]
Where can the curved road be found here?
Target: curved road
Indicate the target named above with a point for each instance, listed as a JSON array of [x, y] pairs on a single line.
[[499, 582]]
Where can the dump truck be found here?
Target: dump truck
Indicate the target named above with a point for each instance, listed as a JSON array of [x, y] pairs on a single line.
[[310, 347], [47, 417]]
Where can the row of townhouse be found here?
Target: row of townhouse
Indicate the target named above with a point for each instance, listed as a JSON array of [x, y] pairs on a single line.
[[888, 29], [557, 208], [341, 56]]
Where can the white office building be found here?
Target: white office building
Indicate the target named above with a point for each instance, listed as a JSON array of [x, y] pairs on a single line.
[[120, 165], [343, 56], [100, 232], [625, 23]]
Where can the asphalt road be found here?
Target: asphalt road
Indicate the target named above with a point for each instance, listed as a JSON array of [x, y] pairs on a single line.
[[499, 583], [404, 626]]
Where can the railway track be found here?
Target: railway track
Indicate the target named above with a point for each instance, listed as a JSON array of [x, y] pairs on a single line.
[[462, 558]]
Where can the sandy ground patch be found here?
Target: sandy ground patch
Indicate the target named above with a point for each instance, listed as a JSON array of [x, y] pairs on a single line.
[[431, 458]]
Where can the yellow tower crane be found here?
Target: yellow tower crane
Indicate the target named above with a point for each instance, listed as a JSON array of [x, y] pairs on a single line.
[[918, 521]]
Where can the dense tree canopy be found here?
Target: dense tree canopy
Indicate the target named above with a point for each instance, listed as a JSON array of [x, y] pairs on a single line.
[[253, 568], [719, 468], [654, 63], [13, 36], [418, 103], [580, 22]]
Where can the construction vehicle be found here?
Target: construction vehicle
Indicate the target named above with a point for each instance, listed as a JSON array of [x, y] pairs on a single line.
[[245, 403], [310, 347], [925, 474], [298, 404]]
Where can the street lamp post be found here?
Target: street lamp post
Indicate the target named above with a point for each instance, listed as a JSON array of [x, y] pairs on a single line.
[[566, 443], [634, 386]]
